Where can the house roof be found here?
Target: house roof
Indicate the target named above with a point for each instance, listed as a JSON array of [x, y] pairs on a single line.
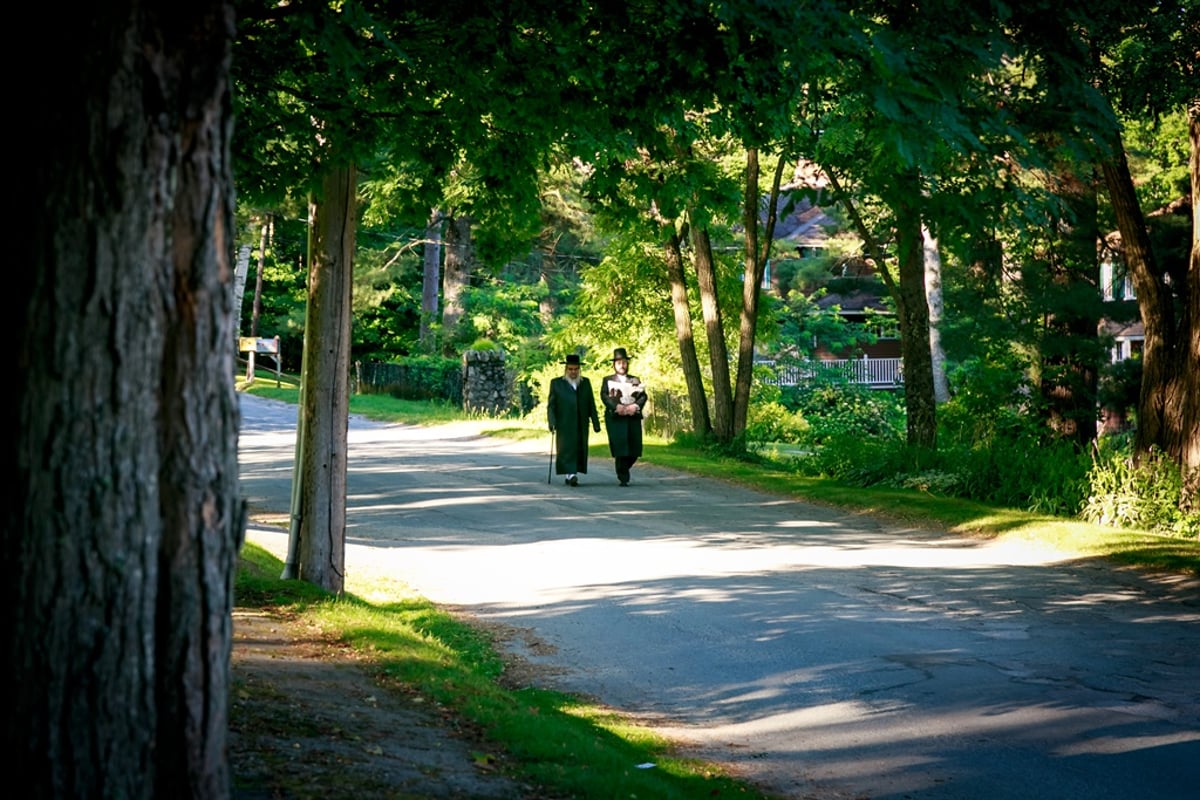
[[806, 225], [858, 301], [1123, 330]]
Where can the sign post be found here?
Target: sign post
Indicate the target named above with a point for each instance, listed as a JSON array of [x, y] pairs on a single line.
[[268, 347]]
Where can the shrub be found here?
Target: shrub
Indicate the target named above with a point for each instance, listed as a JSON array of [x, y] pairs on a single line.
[[1143, 495], [773, 422], [835, 408]]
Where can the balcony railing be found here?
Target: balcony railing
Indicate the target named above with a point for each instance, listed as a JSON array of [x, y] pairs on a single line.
[[878, 373]]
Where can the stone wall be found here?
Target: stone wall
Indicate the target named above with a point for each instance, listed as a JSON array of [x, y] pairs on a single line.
[[486, 386]]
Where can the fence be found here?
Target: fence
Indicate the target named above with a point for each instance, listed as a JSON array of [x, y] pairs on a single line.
[[878, 373]]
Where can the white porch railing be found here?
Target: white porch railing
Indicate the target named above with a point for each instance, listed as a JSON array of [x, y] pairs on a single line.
[[878, 373]]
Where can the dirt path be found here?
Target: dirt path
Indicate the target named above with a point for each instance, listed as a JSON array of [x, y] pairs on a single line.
[[309, 720]]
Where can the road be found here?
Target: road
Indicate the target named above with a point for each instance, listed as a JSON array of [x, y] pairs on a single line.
[[822, 654]]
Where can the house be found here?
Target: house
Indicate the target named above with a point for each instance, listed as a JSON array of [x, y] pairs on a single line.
[[803, 232], [1123, 324]]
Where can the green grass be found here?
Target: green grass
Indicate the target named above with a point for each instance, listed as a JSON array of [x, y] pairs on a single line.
[[567, 747], [953, 515]]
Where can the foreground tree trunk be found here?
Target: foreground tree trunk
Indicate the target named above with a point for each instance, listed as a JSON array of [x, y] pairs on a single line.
[[325, 374], [122, 516]]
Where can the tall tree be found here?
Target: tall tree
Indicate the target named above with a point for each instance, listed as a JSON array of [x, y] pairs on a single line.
[[1190, 496], [684, 335], [1137, 59], [431, 283], [756, 250], [122, 515], [460, 257], [325, 377]]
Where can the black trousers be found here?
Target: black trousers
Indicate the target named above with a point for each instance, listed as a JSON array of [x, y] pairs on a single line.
[[624, 463]]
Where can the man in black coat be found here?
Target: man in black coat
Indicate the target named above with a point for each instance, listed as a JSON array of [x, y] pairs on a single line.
[[569, 408], [624, 397]]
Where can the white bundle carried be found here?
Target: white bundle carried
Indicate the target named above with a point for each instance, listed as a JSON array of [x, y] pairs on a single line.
[[629, 391]]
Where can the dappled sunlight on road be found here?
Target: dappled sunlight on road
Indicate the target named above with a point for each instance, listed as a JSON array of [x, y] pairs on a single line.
[[825, 653]]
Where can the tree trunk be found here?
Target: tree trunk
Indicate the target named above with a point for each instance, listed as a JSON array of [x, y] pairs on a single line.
[[756, 251], [1164, 403], [697, 399], [239, 287], [548, 279], [913, 308], [431, 280], [714, 328], [256, 314], [457, 275], [122, 510], [326, 379], [933, 293], [1190, 497]]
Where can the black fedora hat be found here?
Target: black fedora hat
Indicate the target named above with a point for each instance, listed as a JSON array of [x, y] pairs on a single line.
[[572, 360], [620, 355]]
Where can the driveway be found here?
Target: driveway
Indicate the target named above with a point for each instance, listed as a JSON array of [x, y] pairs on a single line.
[[821, 653]]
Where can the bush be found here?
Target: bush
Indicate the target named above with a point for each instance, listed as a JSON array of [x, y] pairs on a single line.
[[1144, 495], [835, 408]]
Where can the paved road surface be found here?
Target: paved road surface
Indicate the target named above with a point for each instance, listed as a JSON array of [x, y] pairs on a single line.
[[824, 654]]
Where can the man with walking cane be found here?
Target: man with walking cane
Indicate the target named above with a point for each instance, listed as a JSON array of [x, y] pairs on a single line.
[[570, 407]]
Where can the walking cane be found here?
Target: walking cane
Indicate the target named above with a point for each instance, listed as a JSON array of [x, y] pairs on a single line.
[[550, 466]]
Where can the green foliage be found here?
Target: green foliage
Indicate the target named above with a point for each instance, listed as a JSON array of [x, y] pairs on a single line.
[[838, 409], [989, 400], [1158, 154], [773, 422], [419, 377], [1137, 495], [504, 313], [1120, 385]]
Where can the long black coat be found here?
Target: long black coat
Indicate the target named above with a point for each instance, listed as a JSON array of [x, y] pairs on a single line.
[[624, 433], [569, 412]]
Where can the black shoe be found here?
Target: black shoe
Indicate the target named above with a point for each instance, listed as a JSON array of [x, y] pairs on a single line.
[[572, 481], [624, 483]]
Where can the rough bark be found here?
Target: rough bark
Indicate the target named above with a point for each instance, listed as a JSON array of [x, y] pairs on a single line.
[[431, 280], [697, 399], [714, 328], [757, 249], [1190, 498], [1164, 403], [256, 313], [122, 517], [933, 292], [326, 379], [913, 311], [459, 255]]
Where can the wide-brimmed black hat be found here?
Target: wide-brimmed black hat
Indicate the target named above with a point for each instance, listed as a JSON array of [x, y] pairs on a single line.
[[620, 355], [572, 360]]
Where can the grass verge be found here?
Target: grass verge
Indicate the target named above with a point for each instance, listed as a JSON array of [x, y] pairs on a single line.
[[562, 744]]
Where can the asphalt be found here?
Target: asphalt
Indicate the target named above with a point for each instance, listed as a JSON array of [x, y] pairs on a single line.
[[821, 653]]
